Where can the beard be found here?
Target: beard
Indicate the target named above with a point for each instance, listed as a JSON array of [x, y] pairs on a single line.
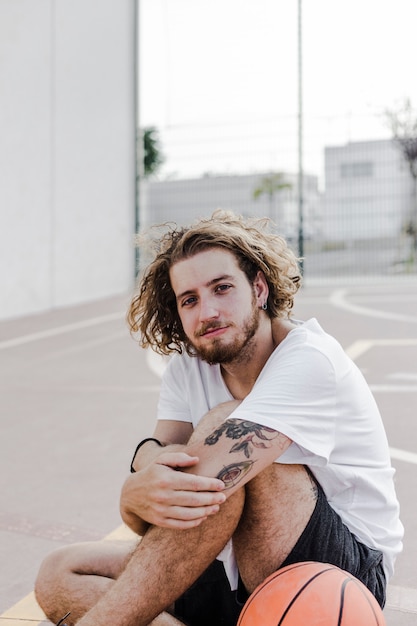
[[239, 350]]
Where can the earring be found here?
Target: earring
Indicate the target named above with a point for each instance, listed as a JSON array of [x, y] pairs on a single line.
[[264, 306]]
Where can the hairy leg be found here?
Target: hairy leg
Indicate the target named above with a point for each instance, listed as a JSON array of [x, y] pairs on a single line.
[[278, 505], [165, 563], [74, 578]]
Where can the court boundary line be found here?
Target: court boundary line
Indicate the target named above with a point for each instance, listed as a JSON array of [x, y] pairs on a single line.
[[59, 330], [338, 299]]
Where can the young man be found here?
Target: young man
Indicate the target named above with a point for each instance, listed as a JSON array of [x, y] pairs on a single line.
[[268, 449]]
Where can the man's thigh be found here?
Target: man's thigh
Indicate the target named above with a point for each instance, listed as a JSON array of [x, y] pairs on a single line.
[[279, 503], [328, 540], [306, 529]]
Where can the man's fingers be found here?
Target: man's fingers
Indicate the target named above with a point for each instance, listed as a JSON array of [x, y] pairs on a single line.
[[198, 499], [177, 459], [193, 513], [192, 482], [184, 480], [183, 517]]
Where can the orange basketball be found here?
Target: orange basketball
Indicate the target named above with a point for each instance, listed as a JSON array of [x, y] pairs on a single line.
[[313, 594]]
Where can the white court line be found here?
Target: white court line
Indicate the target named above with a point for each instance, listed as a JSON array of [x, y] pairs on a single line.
[[59, 330], [156, 362], [338, 299], [360, 347], [403, 455], [394, 388], [85, 345]]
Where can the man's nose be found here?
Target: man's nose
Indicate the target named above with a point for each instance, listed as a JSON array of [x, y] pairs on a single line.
[[208, 309]]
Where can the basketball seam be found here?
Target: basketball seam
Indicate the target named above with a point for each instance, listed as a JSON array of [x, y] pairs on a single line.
[[299, 592], [342, 600], [278, 573], [355, 581]]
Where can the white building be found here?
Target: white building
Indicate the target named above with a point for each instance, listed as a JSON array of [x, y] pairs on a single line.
[[183, 201], [368, 191], [67, 165]]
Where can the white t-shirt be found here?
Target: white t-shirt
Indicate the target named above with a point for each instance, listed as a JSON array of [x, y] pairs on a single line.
[[313, 393]]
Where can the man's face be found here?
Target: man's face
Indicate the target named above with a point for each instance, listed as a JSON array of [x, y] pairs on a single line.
[[218, 307]]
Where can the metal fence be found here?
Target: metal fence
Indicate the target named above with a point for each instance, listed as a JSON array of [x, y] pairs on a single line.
[[359, 210]]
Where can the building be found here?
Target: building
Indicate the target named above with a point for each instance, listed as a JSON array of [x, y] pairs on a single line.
[[368, 191], [183, 201]]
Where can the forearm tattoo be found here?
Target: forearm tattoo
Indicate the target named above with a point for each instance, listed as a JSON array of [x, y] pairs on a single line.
[[233, 473], [250, 436]]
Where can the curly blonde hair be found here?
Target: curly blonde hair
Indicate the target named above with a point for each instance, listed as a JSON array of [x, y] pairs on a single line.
[[153, 311]]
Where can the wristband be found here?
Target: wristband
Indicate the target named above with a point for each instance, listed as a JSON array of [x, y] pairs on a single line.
[[132, 469]]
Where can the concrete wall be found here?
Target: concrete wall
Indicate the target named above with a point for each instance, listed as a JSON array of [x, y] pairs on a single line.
[[66, 152]]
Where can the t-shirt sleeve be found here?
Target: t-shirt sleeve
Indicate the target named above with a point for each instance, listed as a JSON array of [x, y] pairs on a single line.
[[172, 403], [296, 394]]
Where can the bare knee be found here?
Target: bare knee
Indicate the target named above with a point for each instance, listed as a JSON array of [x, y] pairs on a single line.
[[52, 572], [74, 578]]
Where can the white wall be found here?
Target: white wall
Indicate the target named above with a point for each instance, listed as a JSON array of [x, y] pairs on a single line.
[[66, 152]]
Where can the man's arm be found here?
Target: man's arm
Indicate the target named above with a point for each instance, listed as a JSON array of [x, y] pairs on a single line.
[[233, 450], [157, 493]]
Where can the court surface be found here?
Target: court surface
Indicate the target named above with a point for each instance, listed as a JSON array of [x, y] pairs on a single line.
[[77, 394]]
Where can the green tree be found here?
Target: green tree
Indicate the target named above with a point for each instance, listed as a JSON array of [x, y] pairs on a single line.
[[271, 185], [402, 122], [152, 152]]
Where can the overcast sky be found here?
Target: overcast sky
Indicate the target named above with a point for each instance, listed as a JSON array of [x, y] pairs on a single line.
[[219, 77]]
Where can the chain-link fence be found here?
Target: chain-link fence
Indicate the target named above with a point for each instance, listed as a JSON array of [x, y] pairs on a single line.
[[358, 197]]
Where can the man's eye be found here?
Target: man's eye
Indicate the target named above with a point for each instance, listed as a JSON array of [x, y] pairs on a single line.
[[189, 301], [223, 287]]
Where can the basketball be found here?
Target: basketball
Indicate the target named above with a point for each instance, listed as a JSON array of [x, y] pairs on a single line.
[[317, 594]]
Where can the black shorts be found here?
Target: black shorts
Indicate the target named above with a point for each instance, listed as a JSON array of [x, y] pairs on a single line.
[[325, 539]]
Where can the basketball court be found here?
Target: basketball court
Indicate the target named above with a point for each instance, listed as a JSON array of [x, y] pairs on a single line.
[[77, 394]]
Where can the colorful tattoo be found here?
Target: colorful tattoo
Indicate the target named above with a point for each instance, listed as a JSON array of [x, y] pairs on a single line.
[[251, 436], [233, 473]]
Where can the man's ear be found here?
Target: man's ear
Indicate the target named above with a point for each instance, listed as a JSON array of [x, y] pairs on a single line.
[[261, 289]]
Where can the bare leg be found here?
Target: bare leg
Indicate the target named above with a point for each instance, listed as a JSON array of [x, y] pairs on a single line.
[[77, 577], [165, 564], [279, 503], [80, 575], [74, 578]]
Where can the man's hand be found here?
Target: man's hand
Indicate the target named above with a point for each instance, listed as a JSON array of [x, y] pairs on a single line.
[[161, 495]]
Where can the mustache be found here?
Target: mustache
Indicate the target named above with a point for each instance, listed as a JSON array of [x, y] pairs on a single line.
[[205, 328]]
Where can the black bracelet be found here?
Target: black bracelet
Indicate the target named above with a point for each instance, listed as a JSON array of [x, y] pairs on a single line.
[[132, 469]]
